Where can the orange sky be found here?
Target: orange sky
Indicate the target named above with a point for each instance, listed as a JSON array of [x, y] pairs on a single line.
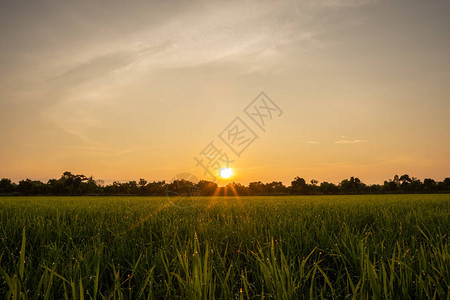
[[125, 91]]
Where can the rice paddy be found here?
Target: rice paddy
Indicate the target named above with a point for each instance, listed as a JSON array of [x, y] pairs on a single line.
[[287, 247]]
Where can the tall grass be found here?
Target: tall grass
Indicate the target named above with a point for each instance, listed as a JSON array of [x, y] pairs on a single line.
[[355, 247]]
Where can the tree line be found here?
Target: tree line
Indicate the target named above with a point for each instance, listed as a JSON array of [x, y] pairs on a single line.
[[71, 184]]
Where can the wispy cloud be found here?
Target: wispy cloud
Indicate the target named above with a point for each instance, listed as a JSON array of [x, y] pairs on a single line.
[[345, 3], [311, 142], [350, 141], [97, 67], [90, 85]]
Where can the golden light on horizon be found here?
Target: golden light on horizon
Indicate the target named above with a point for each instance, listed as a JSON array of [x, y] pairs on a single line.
[[80, 99], [225, 173]]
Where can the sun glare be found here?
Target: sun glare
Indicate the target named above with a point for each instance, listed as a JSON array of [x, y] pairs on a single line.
[[225, 173]]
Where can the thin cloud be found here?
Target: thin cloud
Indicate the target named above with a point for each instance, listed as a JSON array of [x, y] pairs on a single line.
[[96, 68], [350, 141], [311, 142], [345, 3]]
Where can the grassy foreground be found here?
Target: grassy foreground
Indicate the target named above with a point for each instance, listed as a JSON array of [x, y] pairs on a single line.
[[356, 247]]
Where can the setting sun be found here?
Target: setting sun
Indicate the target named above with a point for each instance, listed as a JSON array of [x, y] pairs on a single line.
[[225, 149], [226, 173]]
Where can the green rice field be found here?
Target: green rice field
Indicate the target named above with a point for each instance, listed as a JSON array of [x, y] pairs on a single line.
[[286, 247]]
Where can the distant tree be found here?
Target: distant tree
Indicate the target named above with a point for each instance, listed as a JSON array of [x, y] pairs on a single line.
[[156, 188], [132, 187], [351, 186], [389, 186], [447, 181], [445, 185], [142, 182], [241, 190], [257, 188], [111, 189], [393, 185], [230, 189], [180, 187], [142, 186], [374, 189], [276, 188], [73, 184], [6, 186], [413, 186], [90, 187], [405, 180], [116, 188], [31, 187], [313, 188], [396, 180], [298, 186], [429, 182], [298, 182], [429, 185], [207, 188], [328, 188]]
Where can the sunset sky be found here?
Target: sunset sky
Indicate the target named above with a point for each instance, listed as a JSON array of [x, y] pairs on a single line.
[[123, 90]]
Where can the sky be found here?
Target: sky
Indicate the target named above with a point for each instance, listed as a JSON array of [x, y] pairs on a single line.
[[123, 90]]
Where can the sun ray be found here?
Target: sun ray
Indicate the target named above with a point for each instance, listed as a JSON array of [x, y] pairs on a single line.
[[239, 201], [213, 200]]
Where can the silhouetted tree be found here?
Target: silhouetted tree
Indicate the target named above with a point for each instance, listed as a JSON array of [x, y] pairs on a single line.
[[7, 186], [351, 186], [31, 187], [405, 180], [445, 185], [240, 189], [156, 188], [298, 186], [257, 188], [328, 188], [429, 185], [207, 188], [181, 187], [142, 182], [447, 181], [72, 184], [276, 188]]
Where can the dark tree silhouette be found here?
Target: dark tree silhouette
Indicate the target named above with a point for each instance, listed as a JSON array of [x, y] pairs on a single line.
[[6, 186], [405, 180], [72, 184]]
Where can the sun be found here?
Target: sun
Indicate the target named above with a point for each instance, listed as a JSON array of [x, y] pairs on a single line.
[[225, 173]]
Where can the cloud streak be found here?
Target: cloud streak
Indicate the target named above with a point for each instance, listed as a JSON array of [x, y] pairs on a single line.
[[343, 142]]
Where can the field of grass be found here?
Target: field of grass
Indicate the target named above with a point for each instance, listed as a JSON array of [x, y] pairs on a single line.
[[356, 247]]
